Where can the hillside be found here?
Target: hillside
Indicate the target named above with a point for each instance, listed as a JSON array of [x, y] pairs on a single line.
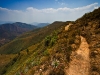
[[29, 38], [10, 31], [69, 48]]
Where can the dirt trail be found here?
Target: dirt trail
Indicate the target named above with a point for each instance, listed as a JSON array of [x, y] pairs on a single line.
[[80, 60]]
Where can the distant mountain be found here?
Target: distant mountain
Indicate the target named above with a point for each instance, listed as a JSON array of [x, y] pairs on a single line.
[[10, 31], [42, 24]]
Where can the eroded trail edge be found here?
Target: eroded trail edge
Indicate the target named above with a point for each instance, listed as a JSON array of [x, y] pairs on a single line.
[[80, 60]]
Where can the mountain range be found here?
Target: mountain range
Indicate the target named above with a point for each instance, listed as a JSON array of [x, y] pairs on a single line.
[[10, 31], [42, 24]]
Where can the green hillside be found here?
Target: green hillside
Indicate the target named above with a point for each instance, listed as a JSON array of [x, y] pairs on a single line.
[[29, 38]]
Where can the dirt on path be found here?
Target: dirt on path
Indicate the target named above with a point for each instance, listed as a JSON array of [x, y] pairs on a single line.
[[80, 63]]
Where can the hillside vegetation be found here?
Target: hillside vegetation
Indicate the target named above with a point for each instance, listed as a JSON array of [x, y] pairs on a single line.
[[29, 38], [69, 48]]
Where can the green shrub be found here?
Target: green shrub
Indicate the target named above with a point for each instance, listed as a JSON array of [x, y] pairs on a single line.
[[46, 53], [47, 40], [50, 40]]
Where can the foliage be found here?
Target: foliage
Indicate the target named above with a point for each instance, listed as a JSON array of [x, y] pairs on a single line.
[[46, 53], [50, 40]]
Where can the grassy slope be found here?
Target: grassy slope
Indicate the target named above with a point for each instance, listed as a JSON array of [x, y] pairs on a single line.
[[43, 54], [5, 60], [29, 39]]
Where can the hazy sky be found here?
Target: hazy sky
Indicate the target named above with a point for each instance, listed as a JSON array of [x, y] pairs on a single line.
[[29, 11]]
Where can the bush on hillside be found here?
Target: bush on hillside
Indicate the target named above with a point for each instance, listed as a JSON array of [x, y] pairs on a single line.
[[50, 40]]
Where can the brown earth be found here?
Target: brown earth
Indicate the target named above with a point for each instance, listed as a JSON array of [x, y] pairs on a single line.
[[79, 64]]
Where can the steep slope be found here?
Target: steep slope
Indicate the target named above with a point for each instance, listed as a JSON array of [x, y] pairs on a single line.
[[90, 25], [5, 61], [73, 49], [10, 31], [29, 38]]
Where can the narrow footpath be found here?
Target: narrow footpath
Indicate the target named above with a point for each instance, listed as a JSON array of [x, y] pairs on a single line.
[[80, 63]]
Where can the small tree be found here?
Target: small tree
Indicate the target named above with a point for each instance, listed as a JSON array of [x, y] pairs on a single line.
[[47, 40]]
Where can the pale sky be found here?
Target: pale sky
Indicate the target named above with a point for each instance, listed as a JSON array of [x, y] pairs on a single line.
[[43, 11]]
